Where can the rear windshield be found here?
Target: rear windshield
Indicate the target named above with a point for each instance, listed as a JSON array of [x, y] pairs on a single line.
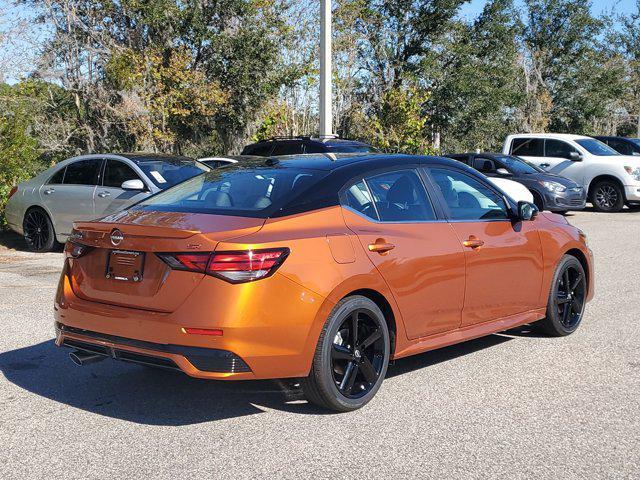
[[242, 189], [165, 173]]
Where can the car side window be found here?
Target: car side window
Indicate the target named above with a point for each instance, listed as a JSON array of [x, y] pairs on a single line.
[[557, 148], [83, 172], [117, 172], [468, 198], [399, 196], [57, 178], [313, 148], [484, 165], [620, 146], [260, 150], [287, 148], [358, 198], [527, 147]]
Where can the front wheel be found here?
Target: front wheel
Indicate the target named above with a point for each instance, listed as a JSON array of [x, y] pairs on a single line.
[[351, 357], [607, 196], [567, 298]]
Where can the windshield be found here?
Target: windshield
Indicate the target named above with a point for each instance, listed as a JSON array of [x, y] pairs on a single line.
[[165, 173], [519, 165], [248, 189], [635, 141], [596, 147]]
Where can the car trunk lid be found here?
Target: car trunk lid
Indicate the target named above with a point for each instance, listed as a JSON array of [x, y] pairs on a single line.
[[136, 236]]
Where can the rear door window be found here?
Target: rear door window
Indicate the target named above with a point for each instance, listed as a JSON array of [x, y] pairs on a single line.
[[527, 147], [57, 178], [396, 196], [117, 172], [83, 172]]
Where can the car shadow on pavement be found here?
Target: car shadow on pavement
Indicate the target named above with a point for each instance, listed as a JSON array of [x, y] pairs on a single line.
[[12, 241], [158, 397]]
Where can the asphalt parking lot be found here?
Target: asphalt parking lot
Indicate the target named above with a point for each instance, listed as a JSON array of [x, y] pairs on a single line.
[[514, 405]]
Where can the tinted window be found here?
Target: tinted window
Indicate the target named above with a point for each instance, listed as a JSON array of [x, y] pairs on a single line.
[[484, 165], [467, 197], [166, 173], [620, 146], [259, 149], [57, 178], [527, 147], [357, 197], [636, 142], [287, 148], [83, 172], [400, 196], [116, 173], [314, 148], [557, 148], [349, 148], [248, 189], [596, 147]]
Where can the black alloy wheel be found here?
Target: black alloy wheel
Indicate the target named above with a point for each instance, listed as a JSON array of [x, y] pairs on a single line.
[[567, 298], [351, 358], [607, 196], [38, 231]]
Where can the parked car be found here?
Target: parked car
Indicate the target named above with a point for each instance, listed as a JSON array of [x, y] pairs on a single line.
[[44, 208], [610, 179], [515, 190], [297, 145], [550, 192], [317, 267], [623, 145]]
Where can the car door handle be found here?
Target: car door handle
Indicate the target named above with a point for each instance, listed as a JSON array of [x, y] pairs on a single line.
[[104, 194], [473, 242], [49, 191], [381, 246]]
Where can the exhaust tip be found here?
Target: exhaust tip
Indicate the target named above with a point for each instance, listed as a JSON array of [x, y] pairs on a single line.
[[83, 358]]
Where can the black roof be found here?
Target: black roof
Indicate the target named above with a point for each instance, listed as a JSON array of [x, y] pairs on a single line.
[[484, 154], [612, 137]]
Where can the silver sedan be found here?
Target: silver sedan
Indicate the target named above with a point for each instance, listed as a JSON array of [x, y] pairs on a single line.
[[44, 208]]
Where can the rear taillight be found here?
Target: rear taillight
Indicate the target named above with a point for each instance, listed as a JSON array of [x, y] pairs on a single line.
[[234, 267], [11, 192]]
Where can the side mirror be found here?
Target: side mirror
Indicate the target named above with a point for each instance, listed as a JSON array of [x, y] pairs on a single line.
[[575, 157], [135, 184], [503, 172], [527, 211]]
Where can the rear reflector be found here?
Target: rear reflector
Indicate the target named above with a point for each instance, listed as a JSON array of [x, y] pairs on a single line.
[[234, 267], [203, 331]]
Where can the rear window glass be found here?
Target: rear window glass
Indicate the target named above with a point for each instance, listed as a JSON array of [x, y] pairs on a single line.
[[82, 172], [165, 173], [527, 147], [241, 189]]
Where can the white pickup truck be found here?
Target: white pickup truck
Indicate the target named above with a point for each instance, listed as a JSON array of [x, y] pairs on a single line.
[[611, 179]]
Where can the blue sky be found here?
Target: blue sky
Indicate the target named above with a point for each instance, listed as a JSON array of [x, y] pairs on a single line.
[[473, 8]]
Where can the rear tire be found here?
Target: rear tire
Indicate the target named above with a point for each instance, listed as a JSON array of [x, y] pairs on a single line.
[[348, 369], [567, 298], [607, 196], [38, 231]]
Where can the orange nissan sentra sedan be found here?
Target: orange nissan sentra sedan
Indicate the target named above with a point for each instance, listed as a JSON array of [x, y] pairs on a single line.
[[317, 267]]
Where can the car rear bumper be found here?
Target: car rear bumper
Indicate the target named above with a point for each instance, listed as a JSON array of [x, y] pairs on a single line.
[[261, 338]]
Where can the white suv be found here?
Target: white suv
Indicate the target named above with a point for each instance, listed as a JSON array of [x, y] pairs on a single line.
[[610, 179]]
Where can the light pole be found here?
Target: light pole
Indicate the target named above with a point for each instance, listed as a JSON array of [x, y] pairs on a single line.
[[326, 118]]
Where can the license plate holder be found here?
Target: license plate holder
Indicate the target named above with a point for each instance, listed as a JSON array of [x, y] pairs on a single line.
[[125, 265]]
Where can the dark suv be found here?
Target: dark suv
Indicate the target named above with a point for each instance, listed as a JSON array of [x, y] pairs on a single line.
[[623, 145], [550, 192], [297, 145]]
